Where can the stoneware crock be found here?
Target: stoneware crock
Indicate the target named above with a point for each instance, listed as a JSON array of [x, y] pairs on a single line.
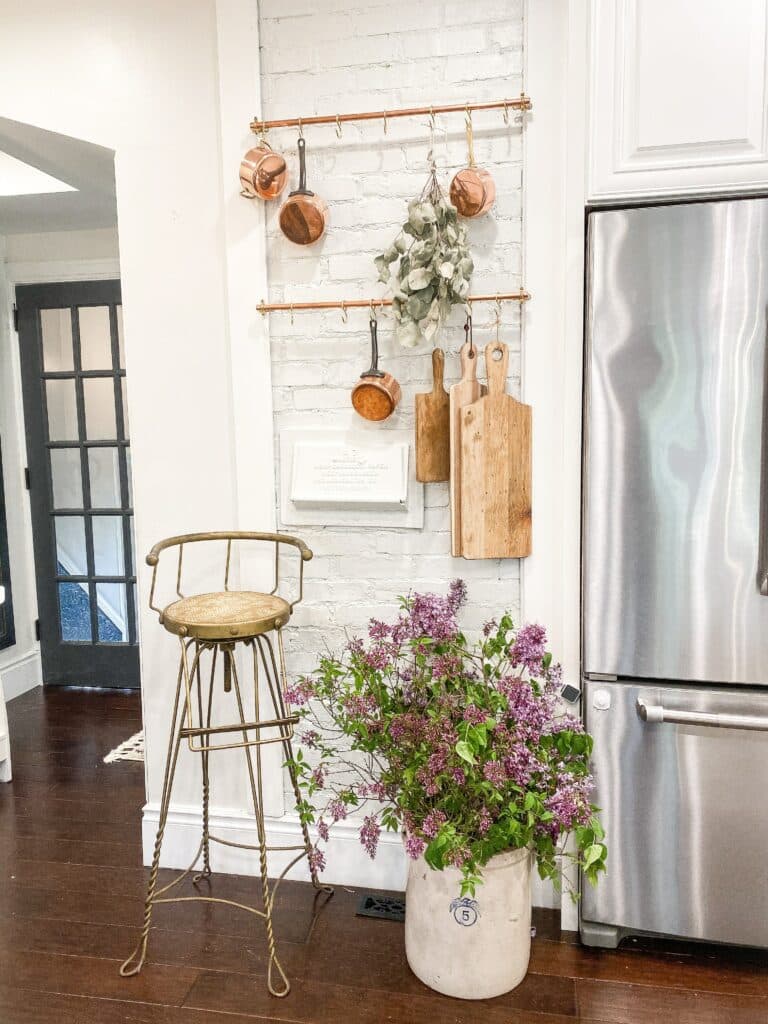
[[471, 947]]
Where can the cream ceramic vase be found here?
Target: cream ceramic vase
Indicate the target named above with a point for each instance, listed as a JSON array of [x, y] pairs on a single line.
[[471, 947]]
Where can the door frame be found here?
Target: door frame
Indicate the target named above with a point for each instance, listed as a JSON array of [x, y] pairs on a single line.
[[81, 287]]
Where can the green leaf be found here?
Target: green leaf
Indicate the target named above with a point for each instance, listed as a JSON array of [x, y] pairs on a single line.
[[593, 854], [464, 751]]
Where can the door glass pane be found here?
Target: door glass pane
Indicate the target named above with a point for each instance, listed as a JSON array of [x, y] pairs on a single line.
[[112, 612], [104, 472], [74, 611], [70, 546], [126, 428], [108, 556], [120, 339], [66, 477], [99, 396], [95, 340], [56, 327], [62, 410]]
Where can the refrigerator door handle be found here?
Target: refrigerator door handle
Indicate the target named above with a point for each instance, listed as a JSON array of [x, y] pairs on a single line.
[[657, 714], [762, 556]]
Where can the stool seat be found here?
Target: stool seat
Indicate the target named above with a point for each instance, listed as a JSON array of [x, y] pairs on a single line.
[[227, 614]]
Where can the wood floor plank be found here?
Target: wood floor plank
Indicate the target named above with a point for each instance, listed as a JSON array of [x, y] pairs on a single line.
[[91, 976], [633, 1004], [316, 1002], [71, 907], [25, 1006]]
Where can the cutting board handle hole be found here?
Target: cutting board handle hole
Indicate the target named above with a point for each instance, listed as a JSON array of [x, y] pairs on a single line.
[[497, 355]]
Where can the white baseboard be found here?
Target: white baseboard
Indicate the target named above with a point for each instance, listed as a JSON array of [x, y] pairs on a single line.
[[21, 675], [347, 863]]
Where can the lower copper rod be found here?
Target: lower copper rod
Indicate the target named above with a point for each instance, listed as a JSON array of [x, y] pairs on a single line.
[[522, 102], [295, 307]]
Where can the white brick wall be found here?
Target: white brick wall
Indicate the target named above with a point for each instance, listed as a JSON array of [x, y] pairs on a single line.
[[329, 56]]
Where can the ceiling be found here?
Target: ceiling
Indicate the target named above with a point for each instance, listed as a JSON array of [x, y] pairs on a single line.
[[87, 172]]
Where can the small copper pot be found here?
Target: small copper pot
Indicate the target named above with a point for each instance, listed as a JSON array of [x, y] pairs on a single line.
[[263, 173], [376, 394], [303, 215], [473, 191]]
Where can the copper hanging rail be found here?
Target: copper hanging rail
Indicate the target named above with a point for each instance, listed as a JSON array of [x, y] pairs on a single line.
[[345, 304], [522, 102]]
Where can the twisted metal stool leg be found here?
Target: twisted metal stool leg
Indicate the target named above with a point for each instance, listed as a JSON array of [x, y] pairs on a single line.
[[206, 872], [135, 961], [257, 794], [281, 682]]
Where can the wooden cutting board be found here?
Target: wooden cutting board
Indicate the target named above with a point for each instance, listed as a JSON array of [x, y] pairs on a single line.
[[467, 390], [496, 468], [432, 436]]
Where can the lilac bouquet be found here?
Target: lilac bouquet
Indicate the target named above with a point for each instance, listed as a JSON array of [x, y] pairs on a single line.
[[460, 746]]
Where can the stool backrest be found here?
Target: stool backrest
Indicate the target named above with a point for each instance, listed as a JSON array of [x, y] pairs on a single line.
[[153, 558]]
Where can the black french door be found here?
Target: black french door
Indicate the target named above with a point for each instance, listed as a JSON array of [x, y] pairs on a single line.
[[73, 382]]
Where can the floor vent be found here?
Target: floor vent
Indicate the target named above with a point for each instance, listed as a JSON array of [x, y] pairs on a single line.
[[388, 908]]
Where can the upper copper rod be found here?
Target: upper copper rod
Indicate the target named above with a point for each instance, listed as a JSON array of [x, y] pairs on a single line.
[[522, 102], [290, 307]]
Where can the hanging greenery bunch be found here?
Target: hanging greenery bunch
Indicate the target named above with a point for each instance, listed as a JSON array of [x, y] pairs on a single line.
[[434, 265]]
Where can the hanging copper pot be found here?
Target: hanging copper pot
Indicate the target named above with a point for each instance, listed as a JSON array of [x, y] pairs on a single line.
[[376, 393], [303, 215], [473, 190], [263, 173]]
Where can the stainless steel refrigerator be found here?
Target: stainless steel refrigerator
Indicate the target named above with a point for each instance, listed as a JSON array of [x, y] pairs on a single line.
[[675, 568]]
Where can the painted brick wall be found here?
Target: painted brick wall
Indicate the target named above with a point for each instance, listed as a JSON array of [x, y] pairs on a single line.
[[321, 56]]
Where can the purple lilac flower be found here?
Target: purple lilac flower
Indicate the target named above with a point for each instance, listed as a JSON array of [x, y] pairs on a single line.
[[458, 776], [414, 846], [474, 714], [310, 738], [490, 626], [322, 829], [494, 772], [337, 810], [484, 821], [458, 858], [377, 658], [445, 665], [457, 595], [432, 823], [373, 791], [299, 692], [529, 648], [319, 775], [369, 835], [378, 630], [316, 860]]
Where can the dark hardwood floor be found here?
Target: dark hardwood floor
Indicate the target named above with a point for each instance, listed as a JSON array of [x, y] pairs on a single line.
[[71, 904]]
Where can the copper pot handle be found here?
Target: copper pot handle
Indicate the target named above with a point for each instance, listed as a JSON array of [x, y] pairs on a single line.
[[374, 370]]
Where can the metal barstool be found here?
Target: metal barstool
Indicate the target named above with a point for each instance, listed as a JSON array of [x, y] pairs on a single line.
[[212, 626]]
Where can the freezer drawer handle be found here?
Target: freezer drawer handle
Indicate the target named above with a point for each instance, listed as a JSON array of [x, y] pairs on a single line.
[[655, 713]]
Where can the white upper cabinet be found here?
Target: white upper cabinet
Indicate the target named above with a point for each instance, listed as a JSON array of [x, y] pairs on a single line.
[[678, 100]]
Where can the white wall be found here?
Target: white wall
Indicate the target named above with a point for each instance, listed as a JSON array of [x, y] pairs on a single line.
[[142, 79]]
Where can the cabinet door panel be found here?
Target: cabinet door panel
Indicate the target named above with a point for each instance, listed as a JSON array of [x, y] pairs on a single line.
[[678, 97]]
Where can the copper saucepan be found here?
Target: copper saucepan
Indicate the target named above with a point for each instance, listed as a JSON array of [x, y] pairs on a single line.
[[376, 393], [304, 215], [473, 190], [263, 173]]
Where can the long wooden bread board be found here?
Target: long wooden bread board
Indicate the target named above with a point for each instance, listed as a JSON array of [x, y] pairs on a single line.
[[467, 390], [495, 468], [432, 429]]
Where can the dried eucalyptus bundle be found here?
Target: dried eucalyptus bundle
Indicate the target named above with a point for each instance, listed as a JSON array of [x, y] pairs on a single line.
[[434, 268]]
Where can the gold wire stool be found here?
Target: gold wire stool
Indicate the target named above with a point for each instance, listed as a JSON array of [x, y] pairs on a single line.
[[215, 624]]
